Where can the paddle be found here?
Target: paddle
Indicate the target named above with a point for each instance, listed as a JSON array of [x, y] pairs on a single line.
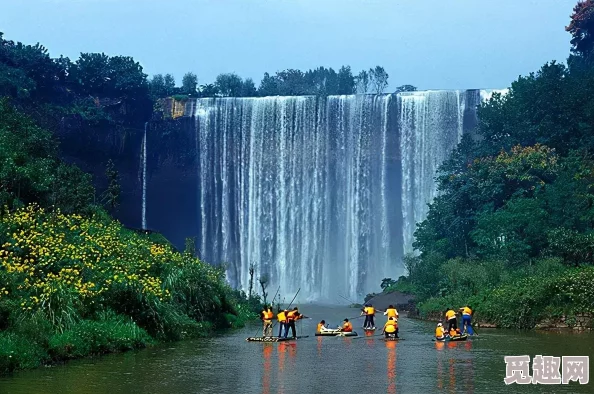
[[274, 324]]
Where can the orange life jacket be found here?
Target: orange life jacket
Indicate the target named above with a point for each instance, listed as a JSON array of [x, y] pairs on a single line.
[[347, 327], [292, 315], [268, 315]]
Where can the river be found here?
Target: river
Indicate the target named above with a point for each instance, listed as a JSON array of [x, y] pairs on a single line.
[[229, 364]]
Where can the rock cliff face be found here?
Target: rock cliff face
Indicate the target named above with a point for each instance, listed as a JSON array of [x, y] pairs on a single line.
[[321, 194]]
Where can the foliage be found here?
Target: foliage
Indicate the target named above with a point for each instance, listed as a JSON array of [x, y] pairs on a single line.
[[94, 287], [378, 79], [30, 170], [511, 230], [189, 84], [111, 196]]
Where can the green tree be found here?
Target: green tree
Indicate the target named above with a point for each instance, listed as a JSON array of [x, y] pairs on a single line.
[[111, 196], [346, 81], [169, 84], [157, 86], [189, 84], [249, 88], [190, 247], [405, 88], [378, 78], [362, 82], [229, 85]]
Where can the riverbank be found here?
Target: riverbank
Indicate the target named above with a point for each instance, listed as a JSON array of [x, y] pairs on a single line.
[[74, 286], [553, 298]]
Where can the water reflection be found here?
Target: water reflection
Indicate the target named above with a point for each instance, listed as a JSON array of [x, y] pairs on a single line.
[[267, 353], [391, 346]]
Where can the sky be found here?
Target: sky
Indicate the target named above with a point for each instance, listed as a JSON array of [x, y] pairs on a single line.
[[432, 44]]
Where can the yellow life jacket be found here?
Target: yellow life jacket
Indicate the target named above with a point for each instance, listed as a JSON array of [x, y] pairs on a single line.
[[466, 311], [369, 311], [320, 325], [392, 312], [281, 317], [450, 314], [291, 316], [439, 332], [390, 326]]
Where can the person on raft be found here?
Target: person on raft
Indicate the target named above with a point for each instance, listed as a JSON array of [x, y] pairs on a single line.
[[454, 333], [266, 316], [450, 316], [439, 332], [391, 312], [346, 326], [369, 312], [281, 317], [292, 317], [466, 319], [321, 326], [391, 328]]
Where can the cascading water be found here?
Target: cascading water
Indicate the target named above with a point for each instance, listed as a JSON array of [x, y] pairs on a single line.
[[321, 194], [144, 177]]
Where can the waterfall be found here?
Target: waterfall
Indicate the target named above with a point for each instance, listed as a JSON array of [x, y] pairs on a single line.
[[319, 193], [143, 156]]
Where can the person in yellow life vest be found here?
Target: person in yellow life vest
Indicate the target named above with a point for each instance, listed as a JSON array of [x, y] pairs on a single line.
[[267, 315], [321, 325], [347, 326], [439, 332], [369, 312], [467, 319], [391, 328], [281, 317], [450, 316], [391, 312], [292, 317]]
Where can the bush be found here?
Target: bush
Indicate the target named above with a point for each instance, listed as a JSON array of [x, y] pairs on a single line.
[[18, 352]]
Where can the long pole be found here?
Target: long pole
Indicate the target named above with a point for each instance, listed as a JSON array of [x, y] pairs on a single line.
[[271, 303], [298, 290]]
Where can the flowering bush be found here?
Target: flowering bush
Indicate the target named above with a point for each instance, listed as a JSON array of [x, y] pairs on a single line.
[[70, 269]]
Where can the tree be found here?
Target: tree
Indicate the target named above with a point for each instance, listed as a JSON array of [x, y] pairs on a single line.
[[111, 196], [379, 79], [209, 90], [269, 86], [157, 86], [346, 81], [264, 279], [190, 247], [405, 88], [581, 29], [362, 81], [249, 88], [169, 84], [189, 84], [251, 272], [229, 85]]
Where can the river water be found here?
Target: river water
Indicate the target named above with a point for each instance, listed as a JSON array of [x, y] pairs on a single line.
[[229, 364]]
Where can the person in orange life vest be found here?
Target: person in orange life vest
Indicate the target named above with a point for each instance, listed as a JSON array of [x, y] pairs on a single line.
[[450, 316], [282, 322], [292, 317], [439, 332], [266, 316], [347, 326], [391, 328], [321, 325], [391, 312], [369, 312]]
